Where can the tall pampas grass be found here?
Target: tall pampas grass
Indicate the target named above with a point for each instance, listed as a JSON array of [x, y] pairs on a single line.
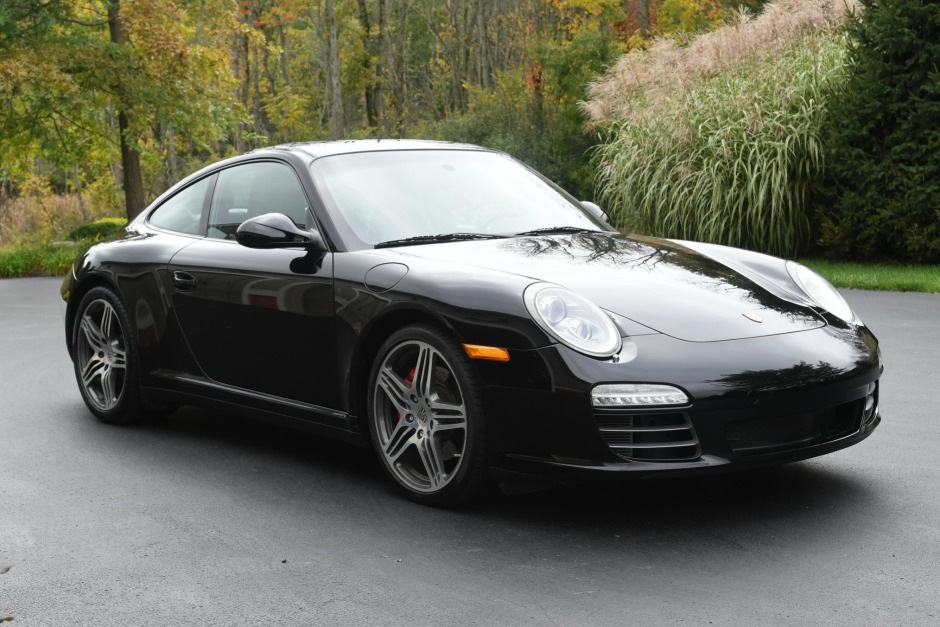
[[721, 140]]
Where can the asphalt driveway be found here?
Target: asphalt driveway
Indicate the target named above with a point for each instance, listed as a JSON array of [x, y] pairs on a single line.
[[206, 519]]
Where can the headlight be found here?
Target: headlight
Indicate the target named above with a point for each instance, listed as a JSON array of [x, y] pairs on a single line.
[[572, 320], [821, 291]]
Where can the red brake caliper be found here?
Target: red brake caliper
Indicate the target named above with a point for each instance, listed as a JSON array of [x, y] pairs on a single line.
[[409, 380]]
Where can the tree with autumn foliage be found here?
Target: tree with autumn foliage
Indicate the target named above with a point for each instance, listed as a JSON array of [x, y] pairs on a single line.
[[108, 99], [95, 85]]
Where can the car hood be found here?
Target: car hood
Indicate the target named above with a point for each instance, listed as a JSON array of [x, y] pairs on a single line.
[[662, 285]]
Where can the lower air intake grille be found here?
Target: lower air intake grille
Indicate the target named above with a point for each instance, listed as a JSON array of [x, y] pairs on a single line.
[[648, 437], [761, 436]]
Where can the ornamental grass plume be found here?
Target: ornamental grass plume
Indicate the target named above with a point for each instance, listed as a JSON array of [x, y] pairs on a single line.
[[721, 141], [666, 67]]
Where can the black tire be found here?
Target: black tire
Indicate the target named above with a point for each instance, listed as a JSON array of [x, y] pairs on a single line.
[[104, 355], [429, 432]]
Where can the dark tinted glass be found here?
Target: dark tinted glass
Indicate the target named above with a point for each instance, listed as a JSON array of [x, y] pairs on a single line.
[[253, 189], [182, 211]]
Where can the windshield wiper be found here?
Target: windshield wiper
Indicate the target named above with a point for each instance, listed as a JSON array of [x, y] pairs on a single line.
[[433, 239], [550, 230]]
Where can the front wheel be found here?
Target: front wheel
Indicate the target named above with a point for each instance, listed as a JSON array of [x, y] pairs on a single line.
[[105, 357], [426, 417]]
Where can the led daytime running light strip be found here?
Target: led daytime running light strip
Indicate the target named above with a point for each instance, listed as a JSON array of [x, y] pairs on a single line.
[[637, 395]]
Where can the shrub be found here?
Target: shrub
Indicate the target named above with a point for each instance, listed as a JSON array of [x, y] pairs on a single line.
[[885, 160], [98, 230], [41, 260]]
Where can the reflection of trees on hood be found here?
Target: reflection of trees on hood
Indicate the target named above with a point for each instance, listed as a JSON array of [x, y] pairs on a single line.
[[805, 374], [864, 343], [776, 379], [654, 255], [611, 249]]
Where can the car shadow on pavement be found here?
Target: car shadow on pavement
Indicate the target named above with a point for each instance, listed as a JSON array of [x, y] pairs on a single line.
[[776, 491], [807, 502], [265, 441], [789, 490]]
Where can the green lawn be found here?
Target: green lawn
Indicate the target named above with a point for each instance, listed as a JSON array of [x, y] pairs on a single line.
[[870, 276]]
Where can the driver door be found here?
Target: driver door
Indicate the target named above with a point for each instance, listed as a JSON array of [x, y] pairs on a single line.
[[259, 320]]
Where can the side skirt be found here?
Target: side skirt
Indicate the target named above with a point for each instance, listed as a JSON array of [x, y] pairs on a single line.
[[189, 390]]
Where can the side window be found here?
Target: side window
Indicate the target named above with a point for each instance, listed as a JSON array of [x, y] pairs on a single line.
[[253, 189], [181, 213]]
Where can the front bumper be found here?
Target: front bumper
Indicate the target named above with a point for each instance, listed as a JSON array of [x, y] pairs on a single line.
[[755, 402], [528, 467]]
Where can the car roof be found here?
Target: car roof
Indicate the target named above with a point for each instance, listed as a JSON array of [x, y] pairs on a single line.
[[316, 150], [311, 151]]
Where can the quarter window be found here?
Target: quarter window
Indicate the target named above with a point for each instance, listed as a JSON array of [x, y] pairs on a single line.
[[253, 189], [182, 212]]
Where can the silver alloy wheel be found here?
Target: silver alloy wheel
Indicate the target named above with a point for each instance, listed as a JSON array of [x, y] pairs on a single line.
[[102, 355], [420, 416]]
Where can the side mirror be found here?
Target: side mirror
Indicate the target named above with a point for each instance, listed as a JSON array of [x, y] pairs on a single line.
[[276, 230], [596, 211]]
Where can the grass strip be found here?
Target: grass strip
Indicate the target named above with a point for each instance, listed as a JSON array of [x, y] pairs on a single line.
[[873, 276], [37, 260]]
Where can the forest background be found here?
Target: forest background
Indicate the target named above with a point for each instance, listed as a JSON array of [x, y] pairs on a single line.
[[104, 104]]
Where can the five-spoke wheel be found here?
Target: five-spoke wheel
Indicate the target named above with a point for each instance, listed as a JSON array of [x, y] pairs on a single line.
[[425, 416], [105, 359]]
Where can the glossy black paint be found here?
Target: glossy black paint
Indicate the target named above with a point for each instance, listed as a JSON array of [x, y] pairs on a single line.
[[275, 230], [290, 332]]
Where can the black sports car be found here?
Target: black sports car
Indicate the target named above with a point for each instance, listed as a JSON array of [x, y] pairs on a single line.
[[467, 318]]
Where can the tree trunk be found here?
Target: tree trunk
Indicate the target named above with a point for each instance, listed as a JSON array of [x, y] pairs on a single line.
[[483, 46], [76, 175], [643, 16], [261, 122], [113, 165], [130, 159], [371, 95], [173, 164], [336, 96], [133, 176]]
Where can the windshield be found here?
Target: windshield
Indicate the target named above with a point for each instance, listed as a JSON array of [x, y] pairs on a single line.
[[382, 197]]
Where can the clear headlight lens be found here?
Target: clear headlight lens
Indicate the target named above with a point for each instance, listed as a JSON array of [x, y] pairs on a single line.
[[572, 320], [821, 291]]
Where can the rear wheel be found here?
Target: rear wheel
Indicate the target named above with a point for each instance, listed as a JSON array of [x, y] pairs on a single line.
[[426, 417], [105, 358]]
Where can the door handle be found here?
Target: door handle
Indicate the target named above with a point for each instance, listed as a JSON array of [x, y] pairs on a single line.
[[184, 281]]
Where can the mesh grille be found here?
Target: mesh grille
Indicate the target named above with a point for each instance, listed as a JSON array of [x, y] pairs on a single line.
[[665, 437]]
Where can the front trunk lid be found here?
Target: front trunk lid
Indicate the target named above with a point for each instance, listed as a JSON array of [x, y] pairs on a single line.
[[659, 284]]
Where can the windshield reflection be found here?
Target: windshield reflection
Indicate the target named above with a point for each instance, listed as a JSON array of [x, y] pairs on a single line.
[[393, 195]]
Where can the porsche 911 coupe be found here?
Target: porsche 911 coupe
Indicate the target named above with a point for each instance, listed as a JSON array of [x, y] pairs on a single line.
[[465, 317]]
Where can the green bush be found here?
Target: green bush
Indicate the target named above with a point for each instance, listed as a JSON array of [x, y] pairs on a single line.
[[731, 158], [885, 161], [98, 230]]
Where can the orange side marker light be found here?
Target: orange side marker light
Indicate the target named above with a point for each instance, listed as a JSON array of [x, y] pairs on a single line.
[[492, 353]]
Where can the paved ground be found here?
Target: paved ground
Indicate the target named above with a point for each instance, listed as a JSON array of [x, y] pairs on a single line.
[[207, 520]]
